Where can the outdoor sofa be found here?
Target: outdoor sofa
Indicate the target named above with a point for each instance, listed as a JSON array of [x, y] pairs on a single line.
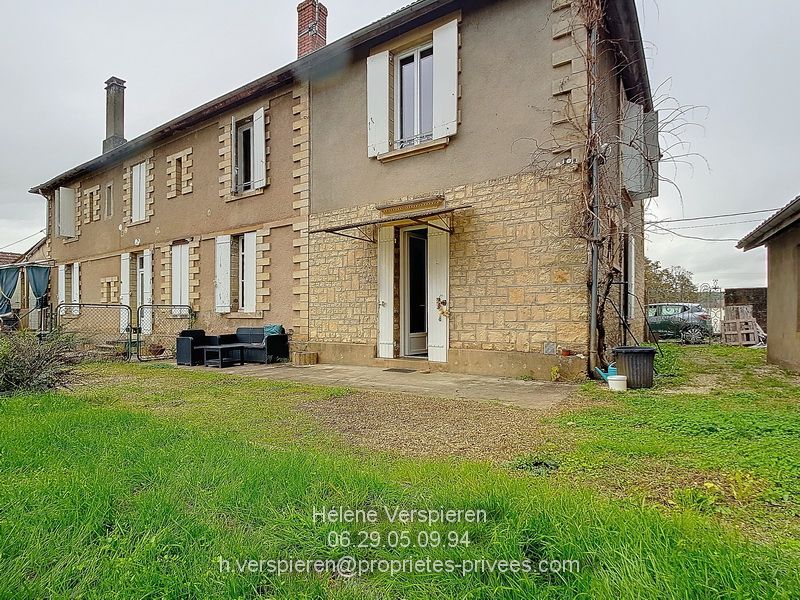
[[266, 344]]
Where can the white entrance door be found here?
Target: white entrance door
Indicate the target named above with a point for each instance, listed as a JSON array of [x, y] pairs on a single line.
[[438, 294], [414, 291]]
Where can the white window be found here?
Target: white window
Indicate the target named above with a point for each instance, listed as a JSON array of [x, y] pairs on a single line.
[[138, 192], [244, 156], [108, 201], [414, 97], [65, 212], [249, 152], [425, 93], [180, 274]]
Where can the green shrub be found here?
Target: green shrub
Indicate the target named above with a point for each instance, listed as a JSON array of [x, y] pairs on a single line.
[[28, 364]]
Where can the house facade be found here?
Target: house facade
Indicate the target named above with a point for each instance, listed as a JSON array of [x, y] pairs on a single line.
[[780, 234], [416, 191]]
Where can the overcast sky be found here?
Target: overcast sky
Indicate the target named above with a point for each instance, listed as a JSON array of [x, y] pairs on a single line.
[[739, 62]]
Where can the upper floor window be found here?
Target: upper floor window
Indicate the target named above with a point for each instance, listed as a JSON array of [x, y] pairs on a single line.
[[414, 97], [425, 92], [138, 191], [248, 143]]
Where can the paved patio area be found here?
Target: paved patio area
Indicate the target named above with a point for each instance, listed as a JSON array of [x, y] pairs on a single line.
[[526, 394]]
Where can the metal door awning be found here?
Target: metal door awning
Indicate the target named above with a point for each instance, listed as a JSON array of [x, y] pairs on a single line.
[[427, 217]]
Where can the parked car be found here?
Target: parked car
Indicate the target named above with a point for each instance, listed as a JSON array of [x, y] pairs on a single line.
[[688, 322]]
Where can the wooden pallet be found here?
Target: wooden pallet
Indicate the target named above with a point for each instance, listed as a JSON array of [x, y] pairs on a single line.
[[740, 333]]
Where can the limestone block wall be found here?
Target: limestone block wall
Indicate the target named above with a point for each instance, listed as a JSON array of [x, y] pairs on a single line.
[[517, 274]]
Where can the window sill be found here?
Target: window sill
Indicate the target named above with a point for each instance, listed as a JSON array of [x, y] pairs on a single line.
[[243, 195], [68, 240], [423, 148], [245, 315], [135, 223]]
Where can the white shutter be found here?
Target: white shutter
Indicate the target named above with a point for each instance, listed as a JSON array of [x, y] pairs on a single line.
[[653, 153], [386, 292], [124, 289], [76, 281], [631, 276], [76, 287], [222, 276], [62, 284], [438, 290], [445, 80], [147, 293], [65, 212], [138, 192], [259, 150], [177, 274], [248, 303], [234, 165], [378, 104], [631, 133], [180, 277]]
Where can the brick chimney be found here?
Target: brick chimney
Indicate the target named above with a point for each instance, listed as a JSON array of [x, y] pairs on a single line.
[[312, 26], [115, 114]]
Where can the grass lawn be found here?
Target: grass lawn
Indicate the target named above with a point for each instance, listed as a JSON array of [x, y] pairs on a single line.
[[145, 481]]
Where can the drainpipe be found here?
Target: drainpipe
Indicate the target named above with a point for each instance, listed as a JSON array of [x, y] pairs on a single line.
[[595, 258]]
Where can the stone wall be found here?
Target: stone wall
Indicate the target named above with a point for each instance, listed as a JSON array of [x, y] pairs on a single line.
[[517, 274]]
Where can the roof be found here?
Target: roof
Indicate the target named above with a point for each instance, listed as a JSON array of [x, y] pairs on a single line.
[[622, 24], [8, 258], [33, 248], [783, 219]]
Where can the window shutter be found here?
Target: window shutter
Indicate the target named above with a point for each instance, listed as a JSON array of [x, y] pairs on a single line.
[[222, 278], [438, 290], [76, 283], [180, 277], [234, 165], [124, 289], [378, 104], [138, 196], [62, 284], [631, 276], [386, 292], [652, 153], [631, 133], [65, 212], [147, 293], [445, 80], [177, 274], [259, 150], [249, 300], [76, 287]]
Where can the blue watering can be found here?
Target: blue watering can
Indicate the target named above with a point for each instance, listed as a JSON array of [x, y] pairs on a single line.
[[612, 370]]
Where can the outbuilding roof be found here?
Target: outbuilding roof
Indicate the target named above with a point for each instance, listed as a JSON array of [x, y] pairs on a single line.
[[621, 21], [783, 219]]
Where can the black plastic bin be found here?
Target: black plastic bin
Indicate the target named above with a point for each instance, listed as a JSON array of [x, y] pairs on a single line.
[[636, 363]]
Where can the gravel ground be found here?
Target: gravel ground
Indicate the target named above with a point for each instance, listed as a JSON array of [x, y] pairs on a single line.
[[420, 426]]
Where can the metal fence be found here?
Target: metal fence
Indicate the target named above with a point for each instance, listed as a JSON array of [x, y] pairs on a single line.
[[111, 332], [158, 325], [101, 331]]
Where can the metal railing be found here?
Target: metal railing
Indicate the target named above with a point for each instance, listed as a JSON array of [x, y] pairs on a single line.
[[101, 331], [158, 326]]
